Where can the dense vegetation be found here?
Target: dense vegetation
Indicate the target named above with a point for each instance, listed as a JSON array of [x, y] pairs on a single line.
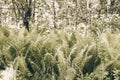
[[66, 40], [62, 54]]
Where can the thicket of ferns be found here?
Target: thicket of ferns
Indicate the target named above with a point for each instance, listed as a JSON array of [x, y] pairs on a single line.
[[63, 54], [58, 54]]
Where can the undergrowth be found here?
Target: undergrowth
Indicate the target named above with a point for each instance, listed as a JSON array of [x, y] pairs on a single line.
[[57, 54]]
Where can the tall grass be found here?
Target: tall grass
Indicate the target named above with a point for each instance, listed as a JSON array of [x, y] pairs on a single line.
[[51, 54]]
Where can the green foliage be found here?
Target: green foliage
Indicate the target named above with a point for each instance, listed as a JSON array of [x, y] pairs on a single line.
[[51, 54], [63, 53]]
